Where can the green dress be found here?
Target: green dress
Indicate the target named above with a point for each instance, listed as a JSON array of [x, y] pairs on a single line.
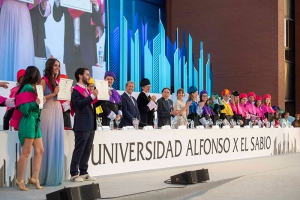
[[30, 123]]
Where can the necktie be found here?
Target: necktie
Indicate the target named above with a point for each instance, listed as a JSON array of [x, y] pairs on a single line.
[[132, 100], [168, 104]]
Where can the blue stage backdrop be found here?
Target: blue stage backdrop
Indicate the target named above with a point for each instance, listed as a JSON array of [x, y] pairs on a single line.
[[138, 48]]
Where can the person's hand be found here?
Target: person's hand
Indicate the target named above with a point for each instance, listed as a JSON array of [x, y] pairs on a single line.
[[109, 92], [38, 101], [4, 84], [95, 92], [174, 112], [153, 98], [95, 2], [118, 117], [201, 104], [44, 99], [56, 90], [188, 103]]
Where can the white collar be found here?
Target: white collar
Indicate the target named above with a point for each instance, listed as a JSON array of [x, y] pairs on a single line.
[[128, 94], [147, 94], [82, 86], [227, 102]]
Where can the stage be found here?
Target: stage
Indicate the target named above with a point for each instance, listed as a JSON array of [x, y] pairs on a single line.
[[134, 161]]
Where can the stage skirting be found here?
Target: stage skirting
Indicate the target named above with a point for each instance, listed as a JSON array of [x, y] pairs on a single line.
[[129, 151]]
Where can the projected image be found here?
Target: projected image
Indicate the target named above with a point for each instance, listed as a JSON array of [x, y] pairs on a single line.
[[32, 33]]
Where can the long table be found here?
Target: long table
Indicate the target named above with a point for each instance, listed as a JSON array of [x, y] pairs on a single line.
[[116, 152]]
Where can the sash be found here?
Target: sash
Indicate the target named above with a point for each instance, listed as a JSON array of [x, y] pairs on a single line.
[[85, 93], [259, 112], [21, 98], [48, 83], [13, 91], [250, 108], [237, 109], [115, 97], [193, 107], [208, 111], [267, 109]]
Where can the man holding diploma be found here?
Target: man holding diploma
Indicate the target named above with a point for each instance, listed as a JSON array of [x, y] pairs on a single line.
[[84, 104]]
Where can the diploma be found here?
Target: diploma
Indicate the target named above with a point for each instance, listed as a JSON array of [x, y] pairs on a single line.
[[28, 1], [65, 86], [83, 5], [102, 87], [40, 94]]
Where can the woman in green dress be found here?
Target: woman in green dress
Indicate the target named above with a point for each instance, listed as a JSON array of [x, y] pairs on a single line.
[[29, 128]]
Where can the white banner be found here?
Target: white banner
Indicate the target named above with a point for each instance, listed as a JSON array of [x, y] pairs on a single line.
[[129, 151]]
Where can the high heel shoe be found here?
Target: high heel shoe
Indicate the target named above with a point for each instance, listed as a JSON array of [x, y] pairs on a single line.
[[36, 183], [23, 188]]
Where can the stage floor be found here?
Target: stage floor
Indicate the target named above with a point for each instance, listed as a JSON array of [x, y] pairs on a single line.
[[271, 177]]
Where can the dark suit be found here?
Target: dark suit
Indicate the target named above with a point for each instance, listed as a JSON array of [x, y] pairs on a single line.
[[85, 54], [129, 110], [163, 113], [146, 114], [38, 30], [84, 130]]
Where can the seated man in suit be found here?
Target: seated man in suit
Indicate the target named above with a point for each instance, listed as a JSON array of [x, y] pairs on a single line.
[[165, 108], [130, 108]]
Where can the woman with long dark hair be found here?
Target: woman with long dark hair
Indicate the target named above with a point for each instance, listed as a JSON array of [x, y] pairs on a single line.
[[29, 128], [52, 126]]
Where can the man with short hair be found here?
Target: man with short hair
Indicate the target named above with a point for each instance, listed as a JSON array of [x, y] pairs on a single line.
[[84, 104], [130, 108]]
